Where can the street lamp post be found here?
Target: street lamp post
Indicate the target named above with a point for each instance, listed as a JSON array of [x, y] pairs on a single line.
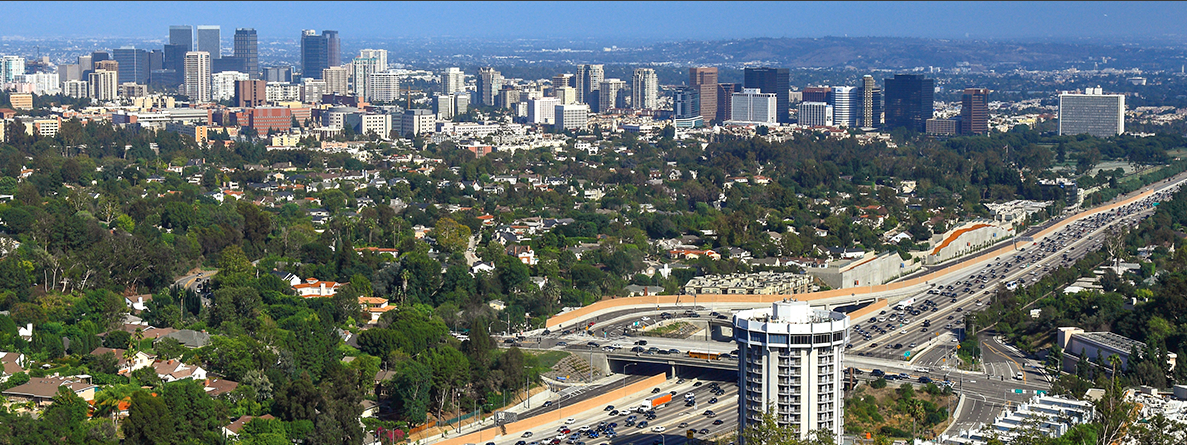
[[624, 373]]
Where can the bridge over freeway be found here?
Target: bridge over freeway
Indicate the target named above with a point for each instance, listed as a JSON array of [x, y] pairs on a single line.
[[673, 364]]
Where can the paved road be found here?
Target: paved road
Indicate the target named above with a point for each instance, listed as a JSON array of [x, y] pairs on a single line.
[[192, 281]]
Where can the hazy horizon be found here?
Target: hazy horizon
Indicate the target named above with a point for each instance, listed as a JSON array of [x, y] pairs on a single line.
[[602, 21]]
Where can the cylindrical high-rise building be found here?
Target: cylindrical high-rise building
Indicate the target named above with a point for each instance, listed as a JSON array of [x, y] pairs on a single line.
[[790, 362]]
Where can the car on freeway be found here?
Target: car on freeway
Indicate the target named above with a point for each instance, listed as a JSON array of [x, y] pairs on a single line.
[[526, 434], [718, 422]]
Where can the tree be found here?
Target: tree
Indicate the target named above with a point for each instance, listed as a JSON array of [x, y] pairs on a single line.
[[149, 421], [451, 236], [768, 432]]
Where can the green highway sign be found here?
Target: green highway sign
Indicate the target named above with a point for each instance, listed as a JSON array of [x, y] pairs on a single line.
[[1040, 392], [1019, 391], [907, 354]]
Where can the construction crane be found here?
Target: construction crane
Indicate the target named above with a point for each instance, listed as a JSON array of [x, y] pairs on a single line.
[[408, 93]]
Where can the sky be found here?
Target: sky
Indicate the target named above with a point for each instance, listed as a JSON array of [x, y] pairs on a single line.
[[626, 21]]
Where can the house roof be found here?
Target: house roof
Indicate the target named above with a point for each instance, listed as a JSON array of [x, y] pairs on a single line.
[[216, 387], [46, 387], [191, 338], [9, 360], [237, 425]]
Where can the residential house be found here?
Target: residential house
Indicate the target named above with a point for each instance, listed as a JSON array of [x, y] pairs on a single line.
[[189, 338], [138, 302], [690, 254], [314, 288], [375, 306], [233, 429], [126, 365], [525, 254], [174, 370], [41, 390], [11, 363]]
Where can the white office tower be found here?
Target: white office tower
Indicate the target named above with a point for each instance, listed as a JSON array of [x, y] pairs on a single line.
[[1093, 112], [453, 80], [337, 79], [197, 76], [816, 114], [567, 95], [43, 83], [610, 94], [443, 107], [222, 85], [311, 90], [104, 85], [364, 67], [572, 116], [543, 110], [790, 361], [282, 92], [645, 90], [76, 88], [380, 56], [383, 87], [10, 67], [489, 83], [752, 106], [846, 106]]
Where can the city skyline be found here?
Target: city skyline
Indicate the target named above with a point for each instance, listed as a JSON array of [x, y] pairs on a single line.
[[653, 20]]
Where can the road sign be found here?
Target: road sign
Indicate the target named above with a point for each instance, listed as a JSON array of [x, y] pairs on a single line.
[[688, 434], [907, 354], [1041, 392], [1019, 391]]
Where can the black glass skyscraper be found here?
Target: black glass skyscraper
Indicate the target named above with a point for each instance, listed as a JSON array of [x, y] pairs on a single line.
[[772, 80], [319, 52], [909, 101], [247, 49]]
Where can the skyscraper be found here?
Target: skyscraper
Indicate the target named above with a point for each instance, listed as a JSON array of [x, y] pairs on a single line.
[[704, 80], [182, 35], [10, 67], [753, 106], [589, 78], [133, 64], [453, 80], [871, 103], [368, 62], [247, 49], [251, 93], [197, 76], [789, 362], [725, 91], [1093, 112], [319, 52], [817, 94], [489, 83], [103, 84], [772, 80], [974, 111], [174, 64], [337, 79], [278, 74], [611, 94], [909, 101], [645, 89], [383, 86], [845, 102], [563, 81], [816, 114], [210, 40]]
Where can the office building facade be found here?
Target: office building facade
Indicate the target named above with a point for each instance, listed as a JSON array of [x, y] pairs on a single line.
[[251, 93], [909, 101], [589, 79], [572, 116], [845, 102], [1092, 112], [197, 76], [319, 51], [644, 89], [103, 85], [752, 106], [816, 94], [383, 86], [686, 103], [611, 94], [489, 83], [278, 74], [224, 85], [543, 110], [725, 92], [453, 80], [789, 362], [337, 79], [182, 35], [871, 103], [772, 80], [704, 80], [133, 64], [815, 114], [246, 48], [210, 40], [974, 111], [362, 68], [10, 67]]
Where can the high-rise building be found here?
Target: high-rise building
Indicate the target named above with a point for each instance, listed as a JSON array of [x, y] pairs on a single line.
[[108, 65], [543, 110], [156, 61], [175, 61], [687, 103], [210, 40], [564, 80], [489, 83], [337, 79], [362, 68], [725, 93], [251, 93], [974, 111], [817, 94], [182, 35], [380, 56], [197, 76], [76, 88], [278, 74], [845, 102], [644, 89], [383, 86], [753, 107], [1092, 112], [772, 80], [319, 52], [223, 86], [567, 95], [247, 48], [103, 84], [789, 364], [611, 95], [453, 80], [589, 78], [909, 101], [871, 103], [10, 67], [704, 80], [816, 114], [133, 64], [312, 90], [571, 117]]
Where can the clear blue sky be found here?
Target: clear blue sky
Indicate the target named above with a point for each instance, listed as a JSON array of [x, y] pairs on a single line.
[[604, 20]]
